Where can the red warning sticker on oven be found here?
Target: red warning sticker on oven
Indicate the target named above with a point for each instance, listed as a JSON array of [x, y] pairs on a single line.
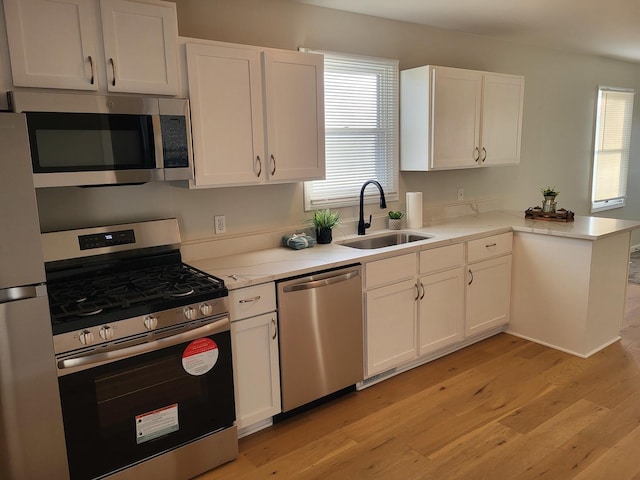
[[200, 356], [156, 423]]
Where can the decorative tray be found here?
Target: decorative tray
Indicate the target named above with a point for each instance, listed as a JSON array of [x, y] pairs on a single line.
[[561, 215]]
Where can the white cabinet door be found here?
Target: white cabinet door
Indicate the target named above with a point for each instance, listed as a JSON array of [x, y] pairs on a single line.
[[256, 368], [502, 102], [225, 89], [52, 43], [441, 310], [457, 98], [294, 102], [140, 46], [390, 326], [488, 294]]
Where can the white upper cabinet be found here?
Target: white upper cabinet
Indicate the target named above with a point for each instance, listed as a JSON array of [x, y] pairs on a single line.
[[455, 118], [294, 99], [55, 44], [52, 43], [225, 88], [257, 116], [140, 46]]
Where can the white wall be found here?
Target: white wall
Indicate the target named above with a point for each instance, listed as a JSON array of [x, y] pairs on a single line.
[[557, 143]]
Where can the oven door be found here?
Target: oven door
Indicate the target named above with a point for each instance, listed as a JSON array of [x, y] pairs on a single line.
[[122, 412]]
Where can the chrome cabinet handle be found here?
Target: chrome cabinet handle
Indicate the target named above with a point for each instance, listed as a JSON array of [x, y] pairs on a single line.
[[259, 162], [470, 281], [484, 157], [273, 165], [249, 300], [93, 70], [113, 67], [275, 329], [476, 154]]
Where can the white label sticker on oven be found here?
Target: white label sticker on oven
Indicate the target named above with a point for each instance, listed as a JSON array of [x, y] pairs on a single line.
[[157, 423], [200, 356]]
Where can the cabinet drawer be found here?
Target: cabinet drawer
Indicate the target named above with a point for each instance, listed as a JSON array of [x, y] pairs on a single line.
[[488, 247], [390, 270], [250, 301], [441, 258]]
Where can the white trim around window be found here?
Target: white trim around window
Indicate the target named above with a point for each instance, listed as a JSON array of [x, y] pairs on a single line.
[[361, 130], [612, 143]]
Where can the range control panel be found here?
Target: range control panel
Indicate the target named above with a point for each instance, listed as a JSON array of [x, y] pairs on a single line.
[[108, 239]]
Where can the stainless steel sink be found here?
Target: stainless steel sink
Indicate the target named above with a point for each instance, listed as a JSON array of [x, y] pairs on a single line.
[[386, 240]]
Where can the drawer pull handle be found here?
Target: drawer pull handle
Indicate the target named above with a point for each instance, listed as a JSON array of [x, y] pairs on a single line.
[[422, 288], [249, 300], [417, 292], [491, 245], [476, 154], [275, 329], [470, 281]]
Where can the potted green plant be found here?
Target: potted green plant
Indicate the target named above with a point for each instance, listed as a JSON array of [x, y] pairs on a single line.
[[324, 221], [395, 220], [549, 194]]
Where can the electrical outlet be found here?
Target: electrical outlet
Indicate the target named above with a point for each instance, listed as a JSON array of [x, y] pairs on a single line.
[[460, 193], [220, 224]]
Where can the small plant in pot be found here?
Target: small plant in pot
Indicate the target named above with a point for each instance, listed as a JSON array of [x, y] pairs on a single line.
[[395, 220], [324, 221], [549, 194]]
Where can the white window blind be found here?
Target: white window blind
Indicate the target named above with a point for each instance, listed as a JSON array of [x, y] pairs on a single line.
[[361, 130], [612, 144]]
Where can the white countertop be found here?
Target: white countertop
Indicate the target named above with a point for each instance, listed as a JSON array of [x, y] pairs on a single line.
[[267, 265]]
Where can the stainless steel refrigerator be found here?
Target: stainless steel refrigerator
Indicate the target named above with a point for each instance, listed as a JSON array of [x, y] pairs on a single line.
[[32, 444]]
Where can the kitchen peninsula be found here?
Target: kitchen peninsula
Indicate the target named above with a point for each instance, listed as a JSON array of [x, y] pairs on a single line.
[[568, 279]]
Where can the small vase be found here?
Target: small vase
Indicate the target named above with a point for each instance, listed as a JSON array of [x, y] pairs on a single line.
[[395, 223], [323, 235], [549, 204]]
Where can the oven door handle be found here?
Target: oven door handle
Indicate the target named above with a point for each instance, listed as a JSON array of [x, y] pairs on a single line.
[[206, 330]]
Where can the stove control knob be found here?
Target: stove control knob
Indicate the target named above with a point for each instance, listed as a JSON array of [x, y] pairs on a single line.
[[151, 322], [190, 313], [86, 337], [106, 332], [206, 309]]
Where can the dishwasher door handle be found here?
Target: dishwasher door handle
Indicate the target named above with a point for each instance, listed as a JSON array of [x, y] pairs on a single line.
[[320, 283]]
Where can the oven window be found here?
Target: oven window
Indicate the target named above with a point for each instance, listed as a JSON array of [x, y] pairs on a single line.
[[71, 142], [139, 407]]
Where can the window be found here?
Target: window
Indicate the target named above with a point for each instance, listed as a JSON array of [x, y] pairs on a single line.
[[611, 150], [361, 130]]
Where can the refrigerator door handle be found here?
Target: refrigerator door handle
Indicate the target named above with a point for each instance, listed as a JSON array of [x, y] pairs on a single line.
[[22, 293]]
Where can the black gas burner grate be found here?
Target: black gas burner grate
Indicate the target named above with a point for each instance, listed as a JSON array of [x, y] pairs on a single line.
[[123, 293]]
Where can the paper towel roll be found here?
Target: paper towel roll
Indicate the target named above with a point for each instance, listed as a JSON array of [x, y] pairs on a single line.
[[414, 209]]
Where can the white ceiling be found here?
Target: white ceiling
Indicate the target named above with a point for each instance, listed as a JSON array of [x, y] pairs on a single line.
[[602, 27]]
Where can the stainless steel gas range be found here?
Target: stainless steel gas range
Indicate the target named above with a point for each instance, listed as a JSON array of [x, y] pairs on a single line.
[[143, 354]]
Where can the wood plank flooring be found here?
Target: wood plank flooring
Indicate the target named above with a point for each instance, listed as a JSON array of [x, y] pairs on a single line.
[[502, 409]]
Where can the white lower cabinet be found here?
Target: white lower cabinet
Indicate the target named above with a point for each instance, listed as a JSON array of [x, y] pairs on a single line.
[[418, 308], [391, 326], [488, 283], [256, 367], [441, 321]]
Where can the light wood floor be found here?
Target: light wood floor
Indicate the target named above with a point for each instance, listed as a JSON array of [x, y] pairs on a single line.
[[501, 409]]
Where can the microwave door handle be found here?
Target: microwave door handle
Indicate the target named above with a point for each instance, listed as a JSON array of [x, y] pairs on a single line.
[[86, 360], [157, 140]]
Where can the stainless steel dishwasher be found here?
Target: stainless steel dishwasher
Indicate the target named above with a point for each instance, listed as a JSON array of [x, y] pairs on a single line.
[[321, 334]]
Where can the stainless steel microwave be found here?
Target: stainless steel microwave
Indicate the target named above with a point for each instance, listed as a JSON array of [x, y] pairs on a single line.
[[86, 139]]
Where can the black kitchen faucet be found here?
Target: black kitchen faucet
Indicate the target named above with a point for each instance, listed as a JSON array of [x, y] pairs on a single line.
[[362, 226]]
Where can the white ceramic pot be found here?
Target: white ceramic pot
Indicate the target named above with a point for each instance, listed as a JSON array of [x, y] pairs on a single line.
[[395, 223]]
